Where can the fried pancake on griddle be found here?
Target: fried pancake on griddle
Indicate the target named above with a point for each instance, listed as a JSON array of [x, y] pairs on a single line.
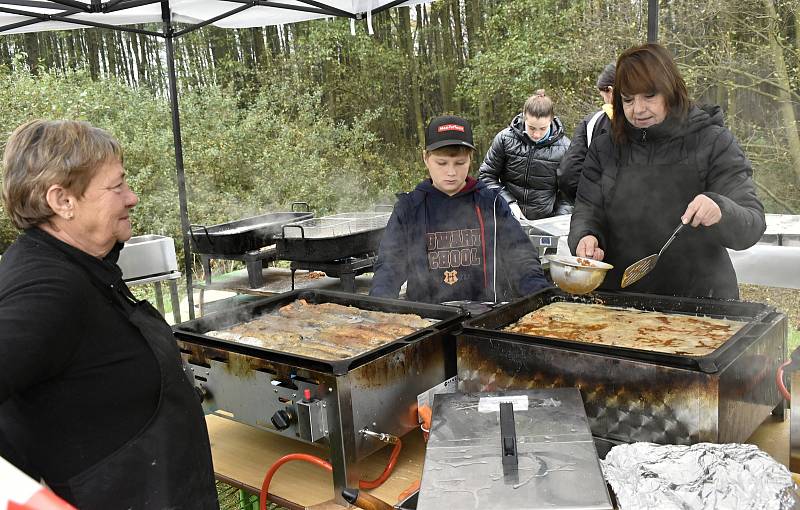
[[628, 327]]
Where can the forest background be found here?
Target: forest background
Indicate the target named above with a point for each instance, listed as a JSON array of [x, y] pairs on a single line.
[[312, 112]]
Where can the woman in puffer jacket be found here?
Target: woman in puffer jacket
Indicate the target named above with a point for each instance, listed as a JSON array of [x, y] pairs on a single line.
[[666, 162], [523, 161]]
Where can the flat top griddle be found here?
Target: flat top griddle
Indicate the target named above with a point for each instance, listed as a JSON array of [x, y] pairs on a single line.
[[755, 315], [193, 331]]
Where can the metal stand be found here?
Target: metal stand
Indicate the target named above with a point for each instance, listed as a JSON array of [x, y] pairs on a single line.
[[172, 280], [345, 269], [254, 260]]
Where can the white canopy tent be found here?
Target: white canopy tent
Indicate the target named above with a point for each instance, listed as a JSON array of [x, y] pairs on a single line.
[[20, 16]]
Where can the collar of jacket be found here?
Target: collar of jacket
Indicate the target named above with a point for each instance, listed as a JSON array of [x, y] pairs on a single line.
[[669, 128], [517, 127]]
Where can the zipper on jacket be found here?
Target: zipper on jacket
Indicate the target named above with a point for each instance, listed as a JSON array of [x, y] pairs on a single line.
[[644, 134], [527, 171]]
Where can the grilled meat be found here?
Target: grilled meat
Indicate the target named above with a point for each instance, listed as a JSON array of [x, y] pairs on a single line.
[[324, 331]]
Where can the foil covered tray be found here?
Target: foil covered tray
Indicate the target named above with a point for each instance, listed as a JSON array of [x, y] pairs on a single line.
[[702, 476]]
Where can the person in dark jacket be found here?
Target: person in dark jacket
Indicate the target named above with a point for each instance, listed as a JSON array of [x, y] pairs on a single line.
[[666, 162], [593, 125], [93, 396], [523, 161], [453, 238]]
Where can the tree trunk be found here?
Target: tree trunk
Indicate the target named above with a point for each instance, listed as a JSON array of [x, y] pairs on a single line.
[[459, 31], [473, 10], [259, 49], [784, 90], [32, 50], [407, 40]]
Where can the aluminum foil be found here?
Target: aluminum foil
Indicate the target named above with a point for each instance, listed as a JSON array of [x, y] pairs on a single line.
[[700, 476]]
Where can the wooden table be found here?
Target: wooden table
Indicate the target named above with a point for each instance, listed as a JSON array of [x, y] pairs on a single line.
[[242, 455]]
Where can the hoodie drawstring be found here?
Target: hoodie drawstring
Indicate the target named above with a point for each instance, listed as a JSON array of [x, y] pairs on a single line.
[[483, 245]]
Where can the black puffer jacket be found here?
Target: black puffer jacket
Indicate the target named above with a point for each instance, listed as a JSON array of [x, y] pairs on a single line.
[[525, 171], [571, 166], [697, 263]]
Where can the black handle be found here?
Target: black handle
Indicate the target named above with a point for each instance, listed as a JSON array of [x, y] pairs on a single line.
[[192, 228], [302, 230], [508, 437]]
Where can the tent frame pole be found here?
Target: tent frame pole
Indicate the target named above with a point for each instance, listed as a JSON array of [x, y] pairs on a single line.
[[166, 16]]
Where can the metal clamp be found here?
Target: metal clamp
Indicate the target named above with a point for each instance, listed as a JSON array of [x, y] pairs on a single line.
[[380, 436]]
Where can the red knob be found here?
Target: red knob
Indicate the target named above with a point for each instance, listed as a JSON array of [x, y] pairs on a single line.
[[306, 394]]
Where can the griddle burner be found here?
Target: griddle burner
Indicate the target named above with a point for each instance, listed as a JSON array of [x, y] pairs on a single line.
[[345, 269]]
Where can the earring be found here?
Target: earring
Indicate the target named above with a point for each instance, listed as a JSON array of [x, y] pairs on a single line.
[[70, 216]]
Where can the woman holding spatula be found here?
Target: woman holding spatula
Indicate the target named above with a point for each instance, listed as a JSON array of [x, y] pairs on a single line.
[[666, 162]]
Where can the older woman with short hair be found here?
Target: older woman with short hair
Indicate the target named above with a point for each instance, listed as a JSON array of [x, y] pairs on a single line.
[[95, 399], [665, 162]]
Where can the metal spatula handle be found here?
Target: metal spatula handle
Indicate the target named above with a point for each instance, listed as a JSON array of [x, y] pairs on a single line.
[[671, 238], [638, 269]]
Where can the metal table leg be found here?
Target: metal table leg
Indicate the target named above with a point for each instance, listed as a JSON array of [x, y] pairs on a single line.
[[348, 282], [205, 260], [176, 303], [159, 297], [343, 442], [255, 277]]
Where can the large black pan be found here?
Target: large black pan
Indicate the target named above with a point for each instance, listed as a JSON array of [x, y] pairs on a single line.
[[240, 236]]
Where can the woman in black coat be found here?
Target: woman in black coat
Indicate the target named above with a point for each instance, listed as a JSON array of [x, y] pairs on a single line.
[[94, 399], [523, 161], [665, 162], [592, 126]]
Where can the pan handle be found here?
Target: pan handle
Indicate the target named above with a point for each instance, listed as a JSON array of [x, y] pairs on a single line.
[[308, 208], [192, 228], [302, 230]]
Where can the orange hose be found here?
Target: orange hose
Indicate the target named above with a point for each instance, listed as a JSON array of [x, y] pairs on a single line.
[[280, 462], [371, 484], [779, 381], [312, 459], [411, 489]]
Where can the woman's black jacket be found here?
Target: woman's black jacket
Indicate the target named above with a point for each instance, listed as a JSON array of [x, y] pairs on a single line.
[[699, 262], [571, 166], [526, 171]]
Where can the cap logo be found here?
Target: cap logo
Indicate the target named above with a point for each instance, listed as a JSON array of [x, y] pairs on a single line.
[[449, 127]]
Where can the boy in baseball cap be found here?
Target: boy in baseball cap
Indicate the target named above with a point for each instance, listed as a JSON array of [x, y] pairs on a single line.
[[452, 239]]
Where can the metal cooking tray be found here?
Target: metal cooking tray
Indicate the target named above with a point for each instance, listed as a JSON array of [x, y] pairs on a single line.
[[333, 237], [193, 331], [240, 236], [756, 315]]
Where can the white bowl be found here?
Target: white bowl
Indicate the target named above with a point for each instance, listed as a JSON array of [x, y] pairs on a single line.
[[577, 275]]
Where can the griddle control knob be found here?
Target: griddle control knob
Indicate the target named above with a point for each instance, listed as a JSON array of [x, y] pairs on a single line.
[[282, 419]]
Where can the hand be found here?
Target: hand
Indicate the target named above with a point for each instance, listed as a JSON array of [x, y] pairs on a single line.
[[702, 211], [588, 247], [516, 211]]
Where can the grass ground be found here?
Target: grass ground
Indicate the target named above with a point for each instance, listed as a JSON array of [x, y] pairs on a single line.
[[231, 498], [784, 300]]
